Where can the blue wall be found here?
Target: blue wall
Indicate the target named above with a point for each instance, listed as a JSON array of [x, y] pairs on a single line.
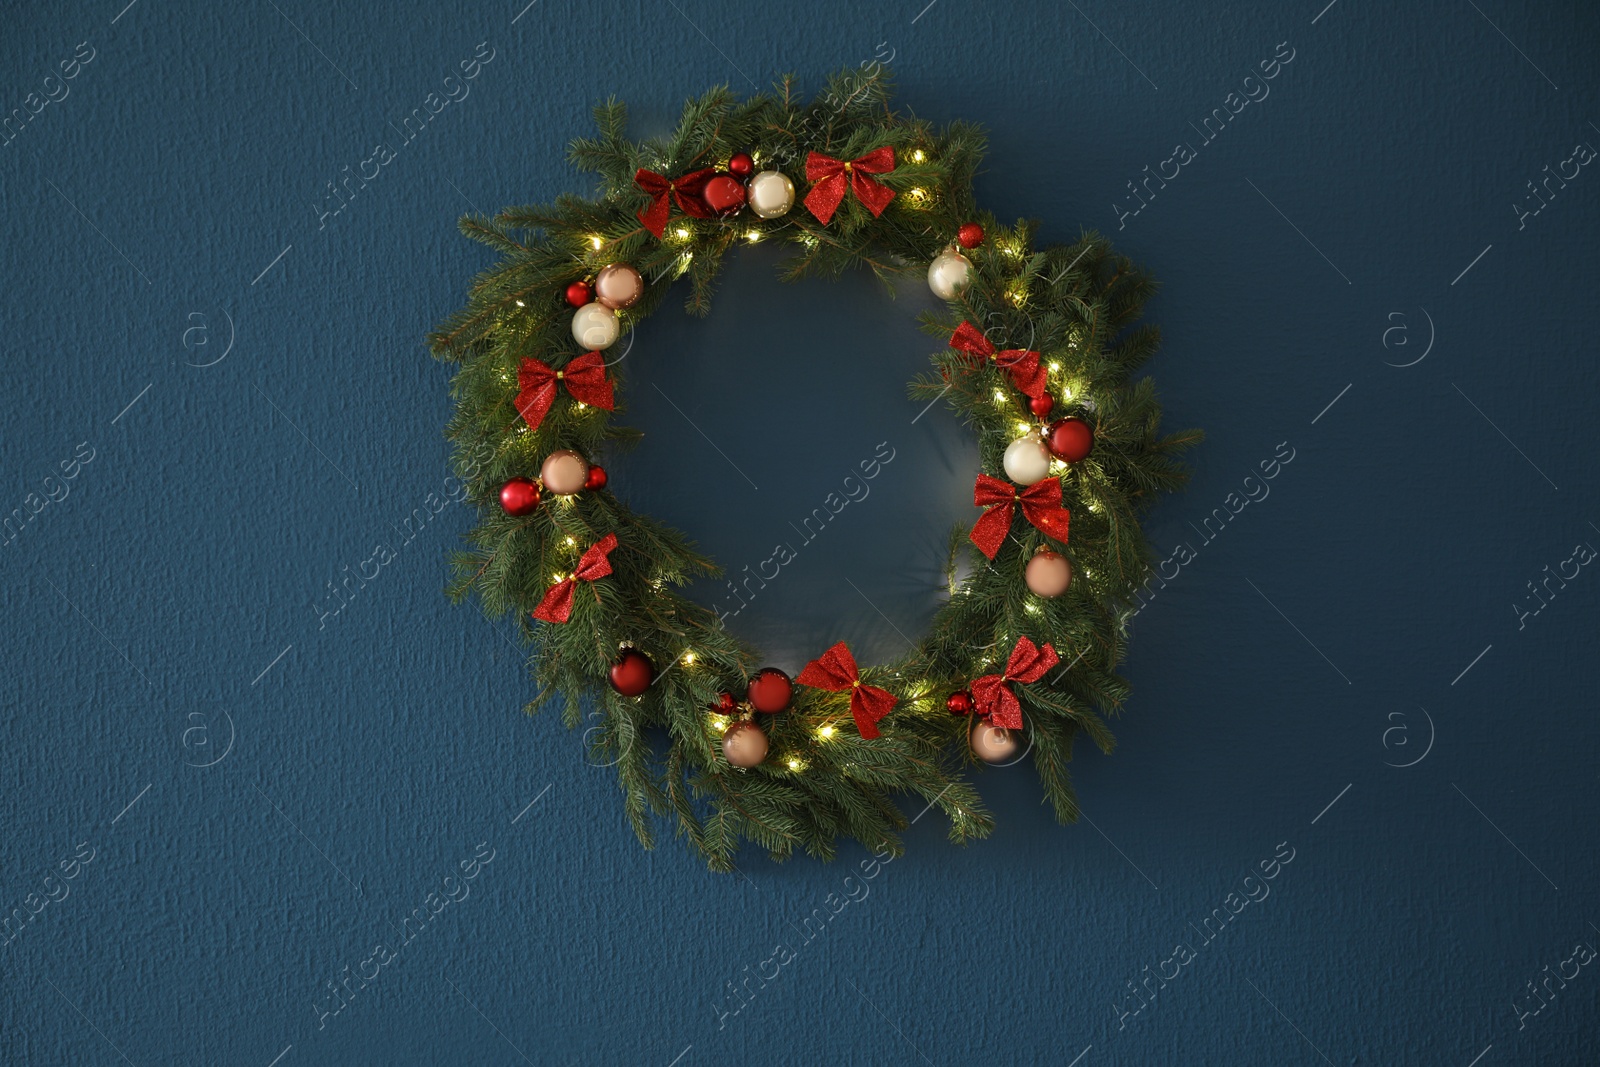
[[249, 791]]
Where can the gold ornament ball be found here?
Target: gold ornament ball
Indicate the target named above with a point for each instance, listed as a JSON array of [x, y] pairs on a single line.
[[949, 275], [994, 744], [595, 327], [744, 744], [1027, 460], [1048, 574], [618, 286], [770, 194], [564, 472]]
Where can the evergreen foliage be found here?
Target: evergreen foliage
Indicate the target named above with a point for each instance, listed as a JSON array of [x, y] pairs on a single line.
[[1075, 303]]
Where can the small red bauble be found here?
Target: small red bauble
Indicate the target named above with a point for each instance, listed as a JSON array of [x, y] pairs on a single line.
[[1041, 405], [725, 703], [723, 194], [1069, 439], [596, 478], [741, 165], [578, 294], [970, 235], [959, 703], [770, 690], [520, 496], [632, 673]]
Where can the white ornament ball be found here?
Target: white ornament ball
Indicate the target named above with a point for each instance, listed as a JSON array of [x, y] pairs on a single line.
[[594, 327], [770, 194], [1027, 460], [994, 744], [950, 274]]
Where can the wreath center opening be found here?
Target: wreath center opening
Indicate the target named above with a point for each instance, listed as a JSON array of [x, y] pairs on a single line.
[[779, 436]]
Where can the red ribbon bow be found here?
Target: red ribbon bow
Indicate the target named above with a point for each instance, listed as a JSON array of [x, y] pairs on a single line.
[[829, 175], [992, 693], [1041, 505], [836, 671], [684, 189], [1023, 366], [557, 603], [584, 377]]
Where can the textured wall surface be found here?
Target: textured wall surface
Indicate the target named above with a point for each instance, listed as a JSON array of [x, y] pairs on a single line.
[[1366, 678]]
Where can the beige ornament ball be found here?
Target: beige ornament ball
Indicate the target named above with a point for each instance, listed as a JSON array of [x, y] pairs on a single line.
[[744, 744], [594, 327], [770, 194], [564, 472], [994, 744], [949, 275], [1048, 574], [618, 286], [1027, 460]]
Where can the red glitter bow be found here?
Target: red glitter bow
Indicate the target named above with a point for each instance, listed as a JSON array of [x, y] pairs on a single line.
[[829, 175], [1023, 366], [1041, 505], [685, 190], [557, 603], [836, 671], [992, 693], [584, 377]]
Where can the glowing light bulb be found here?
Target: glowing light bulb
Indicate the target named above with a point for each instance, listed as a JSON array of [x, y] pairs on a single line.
[[797, 764], [682, 232], [571, 542], [754, 236], [1055, 368], [597, 242], [918, 156], [999, 397], [826, 732], [520, 304], [688, 658], [1023, 427]]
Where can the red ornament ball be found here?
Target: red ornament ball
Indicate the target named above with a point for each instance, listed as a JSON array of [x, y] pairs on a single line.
[[596, 478], [1069, 439], [959, 703], [1041, 405], [725, 703], [520, 496], [632, 673], [741, 165], [970, 235], [578, 294], [723, 194], [770, 690]]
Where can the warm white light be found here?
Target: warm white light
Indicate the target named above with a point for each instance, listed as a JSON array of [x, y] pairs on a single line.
[[825, 732], [918, 156], [571, 542], [1055, 368], [682, 231], [597, 242], [520, 304], [797, 765], [1023, 427], [688, 658], [754, 236], [999, 397]]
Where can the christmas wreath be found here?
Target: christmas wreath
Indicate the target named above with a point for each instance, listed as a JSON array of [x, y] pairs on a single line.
[[1036, 349]]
